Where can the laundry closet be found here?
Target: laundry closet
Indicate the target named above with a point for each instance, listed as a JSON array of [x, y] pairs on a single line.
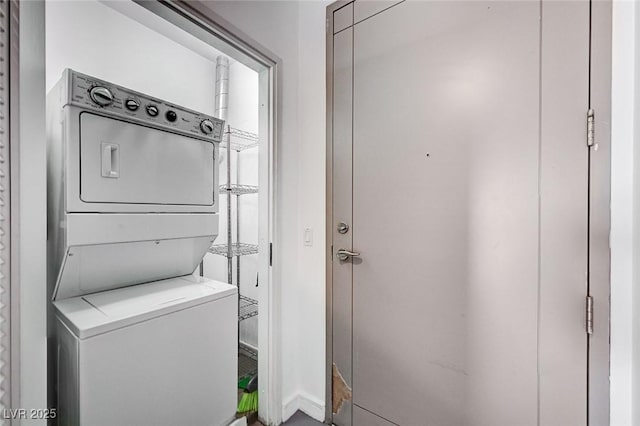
[[155, 261]]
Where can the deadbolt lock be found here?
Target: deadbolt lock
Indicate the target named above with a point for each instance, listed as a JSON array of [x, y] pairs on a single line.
[[343, 228]]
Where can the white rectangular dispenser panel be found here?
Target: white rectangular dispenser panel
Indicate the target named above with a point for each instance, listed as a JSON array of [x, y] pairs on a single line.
[[123, 162]]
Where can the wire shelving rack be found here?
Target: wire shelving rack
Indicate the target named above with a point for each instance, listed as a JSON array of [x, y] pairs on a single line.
[[248, 308], [237, 250], [238, 140], [236, 189]]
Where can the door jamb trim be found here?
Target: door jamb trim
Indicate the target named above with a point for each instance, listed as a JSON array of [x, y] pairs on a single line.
[[328, 418]]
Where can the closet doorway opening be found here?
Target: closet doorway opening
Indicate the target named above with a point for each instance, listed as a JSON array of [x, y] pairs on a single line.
[[186, 54]]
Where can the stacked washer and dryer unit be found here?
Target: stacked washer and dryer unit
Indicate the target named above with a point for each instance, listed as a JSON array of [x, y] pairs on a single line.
[[135, 337]]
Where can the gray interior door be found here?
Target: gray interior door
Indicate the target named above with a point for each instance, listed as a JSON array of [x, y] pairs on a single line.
[[460, 173]]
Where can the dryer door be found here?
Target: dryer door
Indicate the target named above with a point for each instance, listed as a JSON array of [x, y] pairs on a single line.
[[126, 163]]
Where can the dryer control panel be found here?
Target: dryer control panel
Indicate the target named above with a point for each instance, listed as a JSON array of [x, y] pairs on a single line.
[[93, 94]]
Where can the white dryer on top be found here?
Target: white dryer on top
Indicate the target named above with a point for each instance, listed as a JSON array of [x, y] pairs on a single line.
[[133, 186]]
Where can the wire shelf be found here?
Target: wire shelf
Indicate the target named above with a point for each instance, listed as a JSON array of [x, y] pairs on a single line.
[[247, 351], [247, 361], [239, 189], [239, 140], [248, 308], [237, 249]]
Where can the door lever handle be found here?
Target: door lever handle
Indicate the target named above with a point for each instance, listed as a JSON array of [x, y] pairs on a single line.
[[343, 254]]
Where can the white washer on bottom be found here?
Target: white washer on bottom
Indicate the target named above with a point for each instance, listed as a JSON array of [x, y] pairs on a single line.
[[162, 353]]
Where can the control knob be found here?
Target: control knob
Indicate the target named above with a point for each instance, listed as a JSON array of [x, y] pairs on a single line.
[[207, 126], [152, 110], [101, 95], [132, 104], [171, 116]]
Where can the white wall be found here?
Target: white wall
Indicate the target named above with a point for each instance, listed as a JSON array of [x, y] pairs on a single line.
[[295, 32], [126, 53], [312, 208], [624, 363]]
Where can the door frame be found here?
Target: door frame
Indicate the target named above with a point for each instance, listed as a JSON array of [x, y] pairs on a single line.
[[328, 405], [599, 287], [199, 20], [194, 17]]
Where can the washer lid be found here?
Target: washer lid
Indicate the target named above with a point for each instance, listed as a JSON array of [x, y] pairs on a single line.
[[98, 313]]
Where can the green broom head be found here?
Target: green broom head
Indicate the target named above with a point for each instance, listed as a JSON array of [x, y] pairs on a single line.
[[249, 401], [244, 381]]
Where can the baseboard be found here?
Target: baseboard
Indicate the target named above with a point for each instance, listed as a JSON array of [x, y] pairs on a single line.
[[242, 421], [309, 405]]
